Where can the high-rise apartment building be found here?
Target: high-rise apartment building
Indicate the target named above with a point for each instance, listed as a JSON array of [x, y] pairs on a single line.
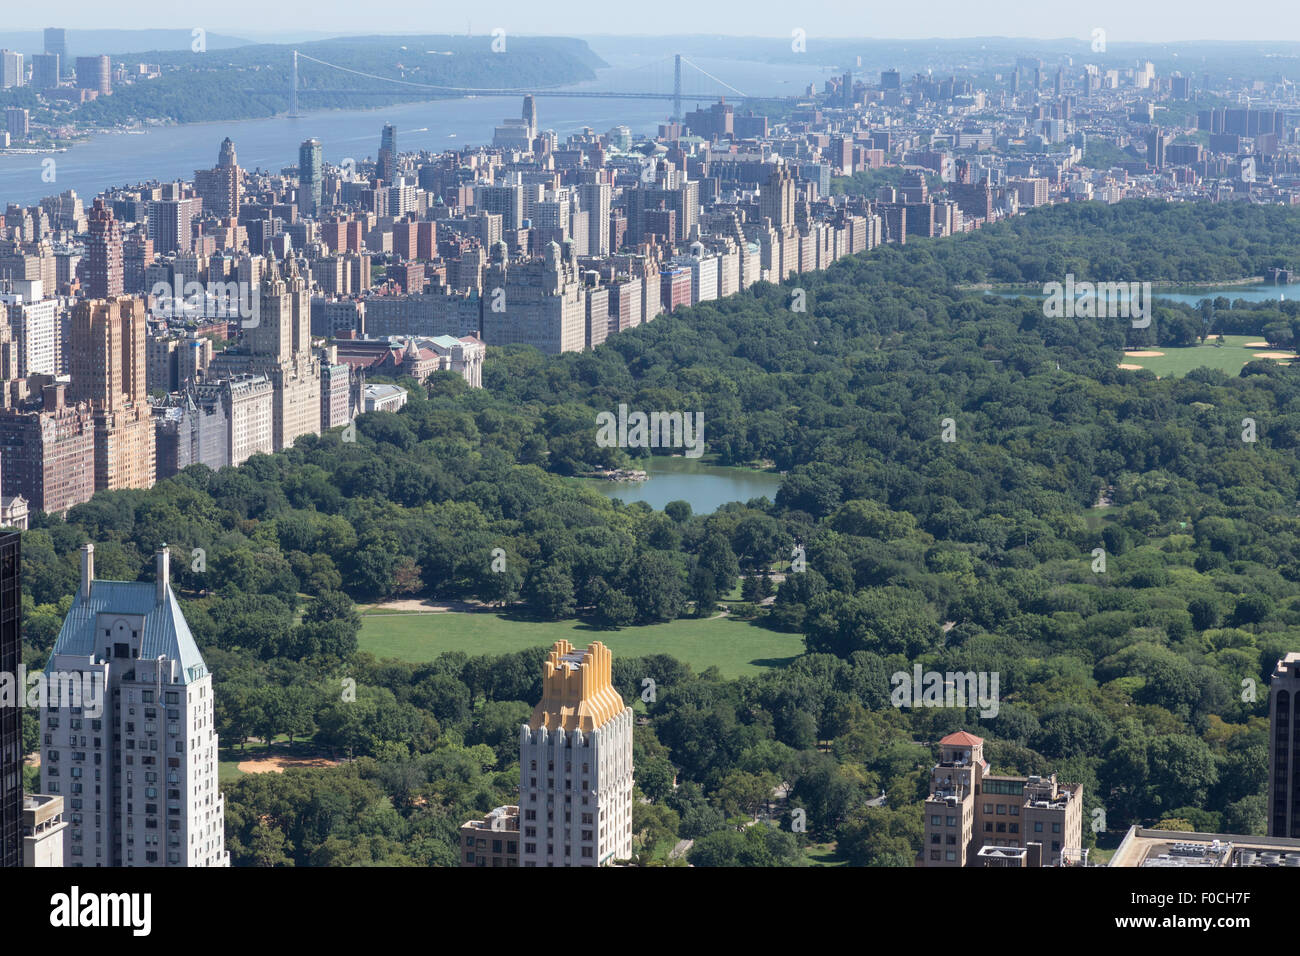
[[48, 452], [310, 177], [45, 71], [56, 42], [95, 73], [538, 302], [277, 345], [171, 220], [104, 253], [595, 199], [11, 721], [529, 115], [221, 188], [505, 200], [18, 122], [575, 764], [34, 329], [1025, 820], [137, 772], [776, 202], [109, 371], [1284, 748], [12, 71], [386, 169]]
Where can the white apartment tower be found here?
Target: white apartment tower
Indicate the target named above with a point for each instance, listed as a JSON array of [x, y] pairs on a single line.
[[138, 775], [575, 765]]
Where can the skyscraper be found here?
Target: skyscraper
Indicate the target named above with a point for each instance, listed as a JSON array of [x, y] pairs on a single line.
[[138, 777], [11, 722], [1284, 748], [45, 71], [56, 42], [575, 764], [221, 188], [95, 73], [776, 201], [103, 253], [387, 167], [595, 199], [310, 166], [11, 69], [529, 115], [108, 372], [277, 345], [171, 219]]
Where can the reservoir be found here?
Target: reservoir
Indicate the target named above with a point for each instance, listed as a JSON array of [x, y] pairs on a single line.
[[706, 487]]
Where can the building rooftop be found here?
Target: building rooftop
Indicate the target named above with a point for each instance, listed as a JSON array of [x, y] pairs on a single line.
[[165, 632], [1183, 849], [577, 689], [961, 739]]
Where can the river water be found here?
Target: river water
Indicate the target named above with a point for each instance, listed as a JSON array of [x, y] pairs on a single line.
[[171, 152]]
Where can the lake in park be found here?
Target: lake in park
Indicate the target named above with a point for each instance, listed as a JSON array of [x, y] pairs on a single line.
[[706, 487]]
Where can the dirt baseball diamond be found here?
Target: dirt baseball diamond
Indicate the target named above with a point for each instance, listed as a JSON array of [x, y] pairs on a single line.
[[1131, 368], [1255, 345], [1275, 355], [1145, 354], [280, 764]]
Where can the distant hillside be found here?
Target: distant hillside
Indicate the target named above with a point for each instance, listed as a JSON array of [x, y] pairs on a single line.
[[254, 80]]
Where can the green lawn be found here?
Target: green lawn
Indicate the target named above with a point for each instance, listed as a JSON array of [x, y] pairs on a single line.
[[1179, 361], [822, 854], [734, 646]]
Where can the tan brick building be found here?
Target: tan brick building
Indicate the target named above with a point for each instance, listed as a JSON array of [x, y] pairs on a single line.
[[109, 368], [970, 808]]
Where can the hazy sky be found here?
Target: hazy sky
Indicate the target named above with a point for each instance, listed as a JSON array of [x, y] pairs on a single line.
[[1138, 20]]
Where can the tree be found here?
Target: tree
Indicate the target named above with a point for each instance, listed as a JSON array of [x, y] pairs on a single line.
[[658, 586], [703, 591], [549, 591]]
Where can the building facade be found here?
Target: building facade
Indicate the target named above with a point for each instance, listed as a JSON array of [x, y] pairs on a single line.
[[575, 764], [970, 809], [1284, 749], [11, 720], [138, 778]]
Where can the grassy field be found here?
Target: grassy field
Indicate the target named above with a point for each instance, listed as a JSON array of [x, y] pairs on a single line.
[[735, 647], [1179, 361], [822, 854]]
